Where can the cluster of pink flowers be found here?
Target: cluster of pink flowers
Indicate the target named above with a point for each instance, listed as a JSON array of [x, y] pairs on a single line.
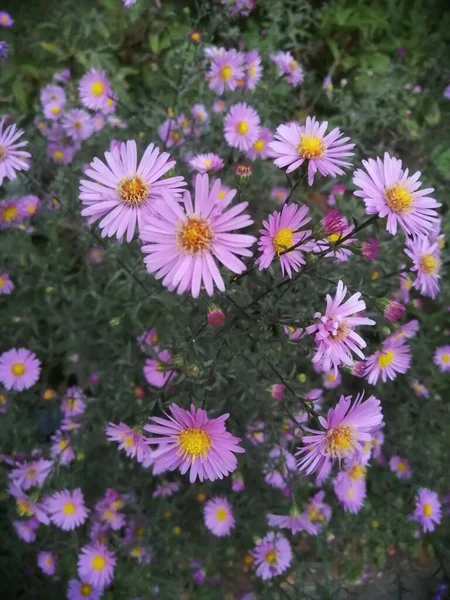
[[230, 70]]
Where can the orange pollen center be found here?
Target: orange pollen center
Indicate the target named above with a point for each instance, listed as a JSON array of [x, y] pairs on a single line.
[[341, 333], [399, 199], [226, 72], [221, 514], [311, 146], [69, 508], [48, 561], [242, 127], [272, 557], [18, 369], [283, 240], [385, 359], [357, 472], [2, 153], [77, 125], [429, 264], [194, 442], [339, 440], [133, 191], [195, 235], [71, 403]]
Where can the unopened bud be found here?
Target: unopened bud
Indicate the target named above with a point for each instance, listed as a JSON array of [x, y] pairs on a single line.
[[215, 317]]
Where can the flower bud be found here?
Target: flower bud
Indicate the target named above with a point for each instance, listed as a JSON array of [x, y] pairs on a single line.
[[394, 311], [215, 317]]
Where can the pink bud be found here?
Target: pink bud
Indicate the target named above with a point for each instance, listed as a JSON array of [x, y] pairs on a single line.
[[277, 391], [394, 311], [371, 249], [333, 222], [216, 317]]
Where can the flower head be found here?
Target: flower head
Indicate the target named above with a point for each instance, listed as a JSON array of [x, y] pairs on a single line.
[[158, 372], [29, 204], [427, 264], [26, 529], [12, 159], [4, 49], [218, 516], [94, 90], [351, 494], [428, 509], [345, 429], [389, 191], [260, 147], [400, 466], [295, 522], [317, 514], [200, 114], [279, 194], [253, 68], [295, 144], [29, 474], [226, 69], [79, 590], [182, 242], [288, 67], [53, 94], [334, 331], [12, 213], [61, 448], [132, 441], [5, 19], [279, 233], [202, 163], [393, 358], [19, 369], [27, 506], [370, 249], [241, 126], [6, 285], [96, 565], [190, 441], [272, 555], [331, 379], [66, 509], [124, 193], [406, 331], [74, 402], [166, 489], [442, 358], [394, 311], [47, 562]]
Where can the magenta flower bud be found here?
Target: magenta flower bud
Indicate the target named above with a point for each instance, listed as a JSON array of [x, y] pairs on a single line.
[[333, 222], [215, 317], [94, 378], [277, 390], [358, 369], [394, 311], [371, 249], [243, 172]]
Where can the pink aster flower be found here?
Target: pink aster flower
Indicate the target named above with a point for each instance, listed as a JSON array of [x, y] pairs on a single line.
[[61, 154], [279, 194], [96, 565], [388, 191], [46, 562], [428, 509], [226, 69], [218, 517], [351, 495], [27, 506], [219, 106], [336, 228], [96, 255], [325, 153], [166, 489], [260, 148], [61, 448], [426, 263], [79, 590], [62, 76], [74, 402], [393, 358], [295, 522], [332, 379], [148, 340], [200, 114], [272, 555], [289, 67], [370, 249], [11, 213], [394, 311], [19, 369], [206, 162], [26, 529], [345, 428], [130, 440], [253, 68], [293, 333], [190, 441], [29, 474], [123, 193], [12, 159], [77, 124], [183, 241], [53, 110], [334, 331], [400, 466], [442, 358], [317, 514], [419, 389], [279, 233], [170, 133], [6, 285], [406, 331], [94, 89], [53, 93], [29, 205], [241, 126], [157, 372], [5, 19]]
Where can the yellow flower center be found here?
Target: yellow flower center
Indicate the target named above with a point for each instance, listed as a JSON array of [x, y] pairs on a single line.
[[77, 125], [133, 191], [2, 399], [427, 510], [58, 155], [399, 199], [175, 136], [339, 440], [97, 88], [2, 282], [129, 441], [334, 237], [86, 590], [24, 509], [331, 377], [18, 369], [272, 557], [109, 516], [48, 561], [221, 195], [71, 403], [445, 358], [428, 264], [49, 394], [357, 472], [293, 65], [194, 442], [56, 110], [252, 70], [242, 127], [31, 208], [341, 333], [5, 19], [63, 445], [221, 514], [2, 153], [385, 359], [98, 562], [207, 163], [9, 213], [311, 146], [226, 72], [31, 473], [69, 508], [407, 284], [248, 560], [259, 145], [195, 235], [282, 240], [401, 467], [137, 551], [109, 102]]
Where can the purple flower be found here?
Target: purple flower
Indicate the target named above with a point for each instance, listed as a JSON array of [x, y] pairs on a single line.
[[79, 590], [351, 495], [428, 509], [30, 474], [400, 466], [202, 163], [253, 68], [242, 126], [74, 402], [295, 144], [393, 358], [66, 509], [27, 507], [46, 562], [96, 565], [26, 530], [289, 67], [426, 263], [61, 448], [295, 522], [226, 69], [4, 49], [12, 159], [272, 556], [6, 285], [260, 148], [218, 516], [442, 358], [19, 369], [132, 441], [94, 90], [394, 311], [317, 513], [158, 372], [166, 489], [5, 19]]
